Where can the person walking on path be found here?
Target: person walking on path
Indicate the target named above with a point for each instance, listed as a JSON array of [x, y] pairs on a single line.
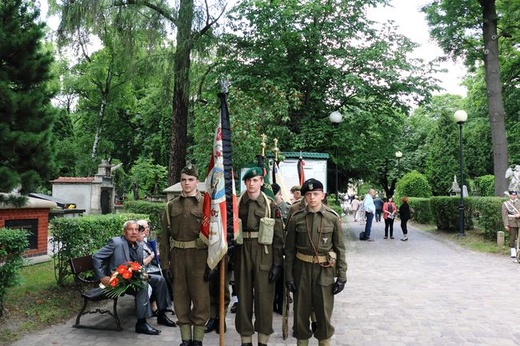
[[404, 215], [186, 254], [378, 202], [370, 210], [389, 211], [511, 219], [258, 261], [314, 255], [354, 205]]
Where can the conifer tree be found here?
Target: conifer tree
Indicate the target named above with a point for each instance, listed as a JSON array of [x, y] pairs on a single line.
[[26, 114]]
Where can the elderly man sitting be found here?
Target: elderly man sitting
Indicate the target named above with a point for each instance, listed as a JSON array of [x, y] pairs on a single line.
[[125, 249]]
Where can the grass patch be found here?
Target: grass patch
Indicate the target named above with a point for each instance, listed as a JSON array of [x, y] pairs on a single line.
[[37, 303], [473, 240]]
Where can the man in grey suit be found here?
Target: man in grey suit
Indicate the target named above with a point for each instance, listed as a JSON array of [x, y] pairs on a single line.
[[124, 249]]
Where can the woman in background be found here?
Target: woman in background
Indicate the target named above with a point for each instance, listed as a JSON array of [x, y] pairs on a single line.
[[404, 215], [389, 211]]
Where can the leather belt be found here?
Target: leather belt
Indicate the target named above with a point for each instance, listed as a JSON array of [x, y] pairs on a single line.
[[249, 235], [311, 259], [184, 244]]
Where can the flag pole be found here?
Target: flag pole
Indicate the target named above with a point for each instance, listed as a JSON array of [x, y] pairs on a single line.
[[224, 86]]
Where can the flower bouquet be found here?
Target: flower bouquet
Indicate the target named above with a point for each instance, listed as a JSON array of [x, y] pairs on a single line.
[[128, 275]]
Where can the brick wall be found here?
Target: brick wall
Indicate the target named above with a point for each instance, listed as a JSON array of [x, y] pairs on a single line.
[[40, 238]]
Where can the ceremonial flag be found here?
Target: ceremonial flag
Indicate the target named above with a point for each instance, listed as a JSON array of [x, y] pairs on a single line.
[[266, 188], [220, 216], [301, 170], [278, 178]]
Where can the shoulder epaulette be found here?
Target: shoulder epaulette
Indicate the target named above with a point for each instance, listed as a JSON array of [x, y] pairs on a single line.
[[330, 210]]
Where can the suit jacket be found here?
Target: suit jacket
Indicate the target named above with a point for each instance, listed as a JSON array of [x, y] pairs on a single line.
[[114, 253]]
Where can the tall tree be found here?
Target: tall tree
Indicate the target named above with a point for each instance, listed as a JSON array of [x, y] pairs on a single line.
[[26, 115], [323, 56], [456, 25], [81, 15]]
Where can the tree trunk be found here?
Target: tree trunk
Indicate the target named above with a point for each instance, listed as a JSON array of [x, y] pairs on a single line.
[[494, 95], [99, 128], [181, 90]]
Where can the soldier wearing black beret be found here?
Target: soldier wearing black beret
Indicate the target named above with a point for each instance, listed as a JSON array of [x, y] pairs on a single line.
[[314, 256]]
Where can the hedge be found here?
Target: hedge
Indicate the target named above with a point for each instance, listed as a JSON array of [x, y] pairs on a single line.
[[80, 236], [13, 243]]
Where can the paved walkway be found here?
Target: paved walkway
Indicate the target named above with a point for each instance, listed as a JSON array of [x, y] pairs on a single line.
[[422, 292]]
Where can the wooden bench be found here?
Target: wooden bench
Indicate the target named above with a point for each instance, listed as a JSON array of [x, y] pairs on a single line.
[[88, 286]]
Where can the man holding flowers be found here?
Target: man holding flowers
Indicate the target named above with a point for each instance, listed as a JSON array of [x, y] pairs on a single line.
[[124, 250]]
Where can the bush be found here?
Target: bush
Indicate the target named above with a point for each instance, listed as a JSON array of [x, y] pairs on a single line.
[[80, 236], [153, 209], [13, 243], [422, 212], [413, 184], [486, 185], [488, 213], [445, 211]]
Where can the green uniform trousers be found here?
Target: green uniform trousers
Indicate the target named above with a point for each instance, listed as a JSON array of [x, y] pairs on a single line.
[[313, 294], [252, 266], [190, 291]]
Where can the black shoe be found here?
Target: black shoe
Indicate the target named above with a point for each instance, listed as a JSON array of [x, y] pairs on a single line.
[[234, 308], [196, 343], [145, 328], [186, 343], [218, 326], [211, 325], [165, 321], [247, 344], [260, 344]]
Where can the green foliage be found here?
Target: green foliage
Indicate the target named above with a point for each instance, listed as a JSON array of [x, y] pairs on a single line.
[[74, 237], [155, 211], [26, 115], [485, 185], [13, 243], [488, 215], [445, 211], [443, 144], [413, 184], [150, 179], [421, 207]]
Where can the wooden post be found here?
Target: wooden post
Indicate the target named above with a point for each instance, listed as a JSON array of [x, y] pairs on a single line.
[[222, 314], [500, 239]]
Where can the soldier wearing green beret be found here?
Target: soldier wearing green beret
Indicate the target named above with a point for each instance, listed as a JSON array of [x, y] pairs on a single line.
[[186, 255], [257, 265], [314, 256]]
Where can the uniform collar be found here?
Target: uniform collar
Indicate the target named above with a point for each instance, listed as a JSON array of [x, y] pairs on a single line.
[[197, 196]]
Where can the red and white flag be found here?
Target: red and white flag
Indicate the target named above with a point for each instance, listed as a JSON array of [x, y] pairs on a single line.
[[220, 215]]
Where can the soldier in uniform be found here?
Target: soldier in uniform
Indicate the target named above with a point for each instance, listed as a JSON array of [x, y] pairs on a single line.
[[257, 266], [314, 255], [186, 254], [511, 218]]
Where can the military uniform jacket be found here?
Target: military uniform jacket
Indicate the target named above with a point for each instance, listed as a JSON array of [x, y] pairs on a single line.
[[251, 211], [324, 228], [181, 222], [510, 208]]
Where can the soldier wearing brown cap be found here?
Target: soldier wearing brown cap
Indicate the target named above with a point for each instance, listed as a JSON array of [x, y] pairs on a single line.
[[257, 261], [186, 254], [314, 256]]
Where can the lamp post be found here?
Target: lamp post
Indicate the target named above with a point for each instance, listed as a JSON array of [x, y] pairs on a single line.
[[398, 156], [336, 118], [460, 117]]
